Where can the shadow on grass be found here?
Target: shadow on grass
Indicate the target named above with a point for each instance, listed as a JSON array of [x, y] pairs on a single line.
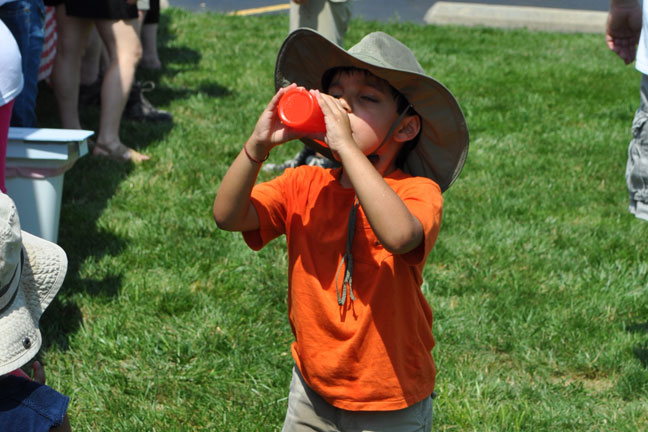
[[87, 189], [640, 351], [176, 60], [90, 184], [163, 96], [180, 58]]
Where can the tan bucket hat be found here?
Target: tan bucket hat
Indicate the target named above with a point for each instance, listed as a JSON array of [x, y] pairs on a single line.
[[31, 272], [441, 151]]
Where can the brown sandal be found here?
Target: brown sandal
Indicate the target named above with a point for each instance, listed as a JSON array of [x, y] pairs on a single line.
[[118, 152]]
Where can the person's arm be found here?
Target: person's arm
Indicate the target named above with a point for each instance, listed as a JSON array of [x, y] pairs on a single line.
[[397, 229], [233, 210], [624, 28]]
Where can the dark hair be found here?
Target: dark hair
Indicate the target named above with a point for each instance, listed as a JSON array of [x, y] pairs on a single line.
[[402, 104]]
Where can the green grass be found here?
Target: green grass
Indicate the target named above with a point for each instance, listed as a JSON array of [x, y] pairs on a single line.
[[538, 280]]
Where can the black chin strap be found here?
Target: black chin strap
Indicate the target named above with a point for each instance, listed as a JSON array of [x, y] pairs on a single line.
[[373, 157], [347, 280]]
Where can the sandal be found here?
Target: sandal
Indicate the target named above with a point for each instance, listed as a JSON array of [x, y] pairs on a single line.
[[118, 152]]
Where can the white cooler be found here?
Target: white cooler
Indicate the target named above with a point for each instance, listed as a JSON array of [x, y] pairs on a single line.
[[37, 159]]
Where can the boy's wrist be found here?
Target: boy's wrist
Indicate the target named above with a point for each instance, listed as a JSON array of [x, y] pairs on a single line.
[[256, 150], [348, 150]]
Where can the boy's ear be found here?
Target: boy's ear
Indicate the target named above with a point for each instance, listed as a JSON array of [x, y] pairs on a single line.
[[408, 129]]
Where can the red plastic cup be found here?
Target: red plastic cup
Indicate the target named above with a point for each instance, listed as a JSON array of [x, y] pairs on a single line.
[[298, 109]]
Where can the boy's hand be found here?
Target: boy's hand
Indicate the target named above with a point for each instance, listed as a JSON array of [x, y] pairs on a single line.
[[269, 130], [338, 127]]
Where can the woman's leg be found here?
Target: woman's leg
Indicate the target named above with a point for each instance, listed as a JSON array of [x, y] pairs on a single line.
[[143, 7], [151, 59], [91, 60], [91, 74], [148, 35], [124, 48], [72, 34]]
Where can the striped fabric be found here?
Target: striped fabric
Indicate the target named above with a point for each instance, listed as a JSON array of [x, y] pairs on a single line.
[[49, 45]]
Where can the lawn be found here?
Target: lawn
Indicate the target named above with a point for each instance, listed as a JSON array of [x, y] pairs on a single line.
[[538, 280]]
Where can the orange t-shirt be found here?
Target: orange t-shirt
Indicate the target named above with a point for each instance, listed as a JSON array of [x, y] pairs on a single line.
[[372, 354]]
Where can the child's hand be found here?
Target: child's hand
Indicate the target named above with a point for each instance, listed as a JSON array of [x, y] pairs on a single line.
[[269, 130], [338, 126]]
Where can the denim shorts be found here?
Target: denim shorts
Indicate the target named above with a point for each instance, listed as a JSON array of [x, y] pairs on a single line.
[[308, 411]]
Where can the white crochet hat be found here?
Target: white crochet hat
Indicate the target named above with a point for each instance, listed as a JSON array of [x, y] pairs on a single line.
[[31, 272]]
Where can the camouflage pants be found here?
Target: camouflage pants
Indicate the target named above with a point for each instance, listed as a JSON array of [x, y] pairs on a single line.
[[637, 165]]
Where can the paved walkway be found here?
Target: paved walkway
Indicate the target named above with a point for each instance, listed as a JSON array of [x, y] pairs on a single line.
[[533, 18], [547, 15]]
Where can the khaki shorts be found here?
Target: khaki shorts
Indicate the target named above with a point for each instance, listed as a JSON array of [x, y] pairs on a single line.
[[307, 411]]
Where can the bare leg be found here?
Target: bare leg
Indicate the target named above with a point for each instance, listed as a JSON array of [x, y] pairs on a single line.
[[148, 36], [141, 16], [150, 58], [125, 51], [66, 73], [90, 63]]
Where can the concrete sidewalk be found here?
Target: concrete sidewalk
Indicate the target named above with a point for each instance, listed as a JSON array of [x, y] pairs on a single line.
[[533, 18]]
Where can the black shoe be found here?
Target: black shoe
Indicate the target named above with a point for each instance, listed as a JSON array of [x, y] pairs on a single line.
[[90, 95], [139, 108]]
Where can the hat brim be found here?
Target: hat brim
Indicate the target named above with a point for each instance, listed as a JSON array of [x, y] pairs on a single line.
[[443, 144], [42, 275]]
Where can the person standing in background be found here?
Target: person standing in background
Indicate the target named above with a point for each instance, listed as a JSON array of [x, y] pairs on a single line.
[[116, 22], [626, 35], [330, 18], [138, 107], [26, 21]]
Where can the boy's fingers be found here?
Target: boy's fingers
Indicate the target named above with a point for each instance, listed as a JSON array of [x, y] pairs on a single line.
[[328, 103], [279, 93]]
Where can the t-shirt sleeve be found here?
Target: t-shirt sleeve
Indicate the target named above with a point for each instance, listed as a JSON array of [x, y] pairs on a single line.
[[425, 202], [269, 201]]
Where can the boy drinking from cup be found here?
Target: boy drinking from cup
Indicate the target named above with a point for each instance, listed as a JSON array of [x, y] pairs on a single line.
[[357, 236]]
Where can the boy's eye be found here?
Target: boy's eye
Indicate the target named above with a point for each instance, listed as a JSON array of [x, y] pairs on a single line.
[[369, 98]]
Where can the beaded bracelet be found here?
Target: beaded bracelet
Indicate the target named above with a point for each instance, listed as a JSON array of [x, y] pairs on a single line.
[[253, 159]]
